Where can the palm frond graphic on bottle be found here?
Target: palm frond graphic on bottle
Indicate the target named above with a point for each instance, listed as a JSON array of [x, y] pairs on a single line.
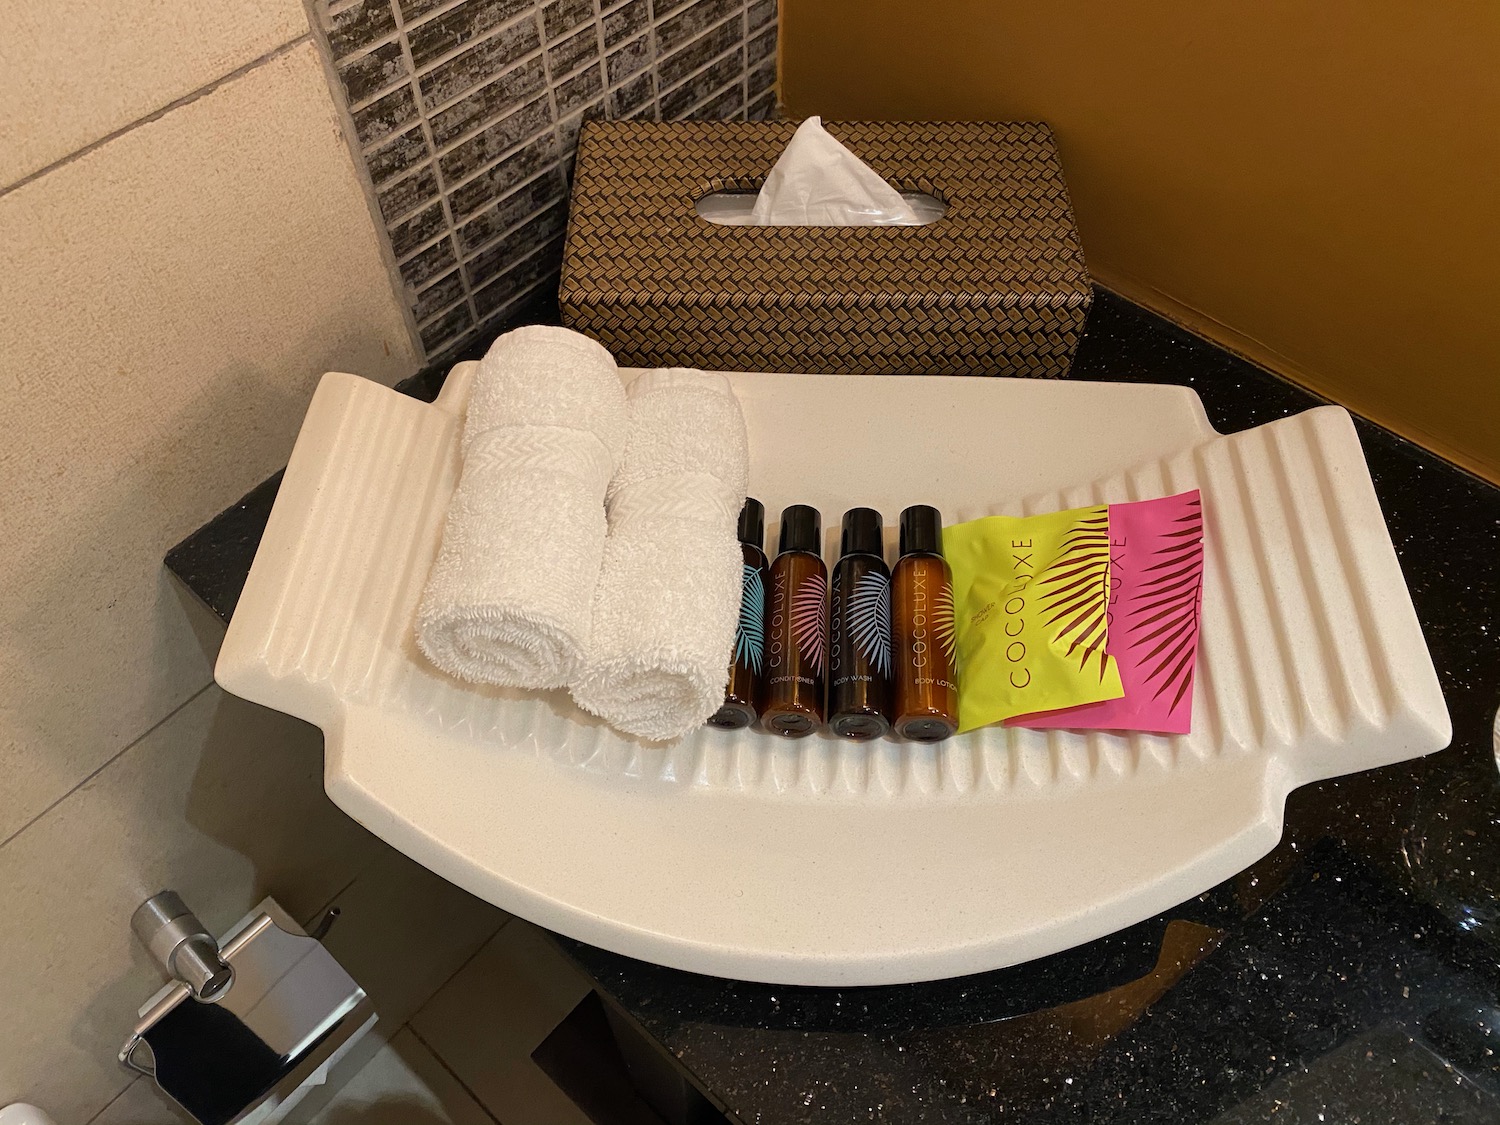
[[810, 621], [1165, 613], [750, 633], [870, 621], [943, 629]]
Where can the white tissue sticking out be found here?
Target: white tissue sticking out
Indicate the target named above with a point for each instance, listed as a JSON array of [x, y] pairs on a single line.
[[820, 183]]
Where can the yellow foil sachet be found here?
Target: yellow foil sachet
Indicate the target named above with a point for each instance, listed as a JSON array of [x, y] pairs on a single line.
[[1031, 604]]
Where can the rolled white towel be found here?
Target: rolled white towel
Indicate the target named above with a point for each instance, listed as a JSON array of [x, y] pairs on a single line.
[[510, 598], [669, 589]]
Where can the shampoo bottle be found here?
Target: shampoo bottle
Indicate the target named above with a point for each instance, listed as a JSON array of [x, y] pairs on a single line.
[[797, 632], [746, 666], [926, 704], [859, 651]]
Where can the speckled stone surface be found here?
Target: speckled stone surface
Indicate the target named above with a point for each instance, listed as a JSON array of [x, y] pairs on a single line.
[[1351, 976]]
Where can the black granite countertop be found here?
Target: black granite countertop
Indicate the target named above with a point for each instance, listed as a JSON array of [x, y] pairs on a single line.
[[1353, 975]]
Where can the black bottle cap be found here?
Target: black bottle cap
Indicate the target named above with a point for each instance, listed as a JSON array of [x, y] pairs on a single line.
[[753, 523], [921, 530], [861, 533], [801, 530]]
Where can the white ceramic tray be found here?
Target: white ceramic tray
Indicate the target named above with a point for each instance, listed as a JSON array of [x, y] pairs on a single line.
[[818, 861]]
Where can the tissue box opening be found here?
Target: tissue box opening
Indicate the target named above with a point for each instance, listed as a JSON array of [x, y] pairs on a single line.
[[998, 286], [735, 208]]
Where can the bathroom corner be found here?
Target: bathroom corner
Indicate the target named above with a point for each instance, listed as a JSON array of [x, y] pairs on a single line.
[[1107, 730]]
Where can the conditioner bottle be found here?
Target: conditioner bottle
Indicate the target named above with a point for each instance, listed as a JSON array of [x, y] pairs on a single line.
[[797, 632]]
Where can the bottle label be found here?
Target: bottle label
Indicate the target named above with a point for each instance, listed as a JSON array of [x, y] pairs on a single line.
[[776, 652], [932, 647], [810, 621], [870, 622], [750, 633]]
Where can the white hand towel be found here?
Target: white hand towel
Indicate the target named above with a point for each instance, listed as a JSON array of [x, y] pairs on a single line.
[[510, 598], [669, 589]]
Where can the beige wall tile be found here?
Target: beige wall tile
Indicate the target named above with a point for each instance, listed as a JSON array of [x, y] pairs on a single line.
[[224, 803], [403, 932], [167, 304], [72, 71], [486, 1021], [141, 1104], [403, 1085]]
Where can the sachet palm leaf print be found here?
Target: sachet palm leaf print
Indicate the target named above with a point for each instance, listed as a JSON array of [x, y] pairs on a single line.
[[1164, 616], [1031, 597], [750, 633], [1075, 591], [1155, 586], [870, 620], [810, 621]]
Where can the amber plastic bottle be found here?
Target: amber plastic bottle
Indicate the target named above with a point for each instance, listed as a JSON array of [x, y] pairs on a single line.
[[742, 695], [859, 650], [926, 705], [797, 632]]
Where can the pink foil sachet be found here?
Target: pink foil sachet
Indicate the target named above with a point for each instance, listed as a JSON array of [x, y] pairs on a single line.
[[1156, 588]]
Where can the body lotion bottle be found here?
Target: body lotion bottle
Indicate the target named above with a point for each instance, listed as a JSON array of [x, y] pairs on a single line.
[[747, 665], [797, 632], [926, 706], [859, 651]]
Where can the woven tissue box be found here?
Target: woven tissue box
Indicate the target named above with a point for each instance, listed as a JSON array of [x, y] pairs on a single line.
[[997, 286]]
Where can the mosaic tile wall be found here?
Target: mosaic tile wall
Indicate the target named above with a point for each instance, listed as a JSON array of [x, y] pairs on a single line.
[[468, 113]]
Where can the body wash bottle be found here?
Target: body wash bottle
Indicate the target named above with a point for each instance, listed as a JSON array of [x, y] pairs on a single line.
[[859, 651], [742, 695], [926, 705], [797, 632]]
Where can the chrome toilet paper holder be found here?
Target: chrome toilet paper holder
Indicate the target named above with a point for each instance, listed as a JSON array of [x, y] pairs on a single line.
[[250, 1022]]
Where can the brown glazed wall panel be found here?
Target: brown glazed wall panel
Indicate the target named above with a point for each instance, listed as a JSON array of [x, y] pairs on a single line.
[[1314, 185]]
